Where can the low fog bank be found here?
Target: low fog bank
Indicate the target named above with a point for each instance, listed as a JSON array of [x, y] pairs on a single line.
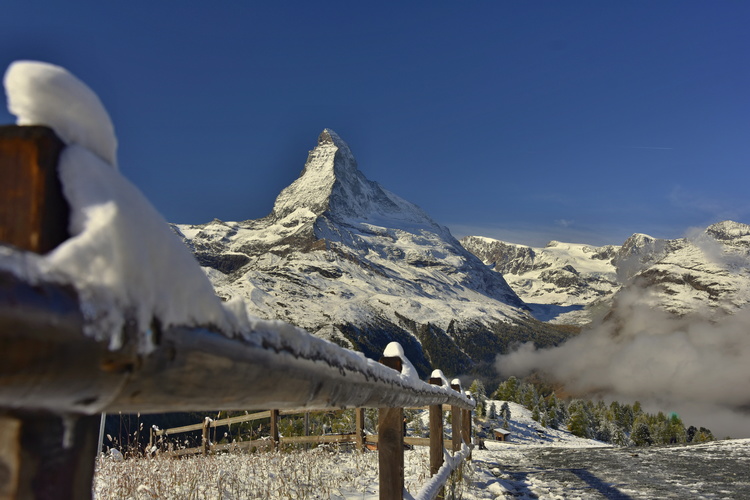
[[697, 365]]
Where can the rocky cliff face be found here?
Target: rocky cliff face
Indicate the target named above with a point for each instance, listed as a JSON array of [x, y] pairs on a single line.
[[569, 283], [352, 262]]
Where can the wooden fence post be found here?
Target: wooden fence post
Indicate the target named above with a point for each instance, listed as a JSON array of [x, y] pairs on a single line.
[[206, 443], [33, 211], [275, 429], [436, 437], [391, 445], [466, 429], [359, 421], [44, 456], [456, 422], [307, 428]]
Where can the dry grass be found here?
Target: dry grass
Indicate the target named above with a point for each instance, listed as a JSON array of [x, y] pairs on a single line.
[[324, 472]]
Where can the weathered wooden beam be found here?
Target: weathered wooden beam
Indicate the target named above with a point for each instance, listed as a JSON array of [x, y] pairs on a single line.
[[41, 331], [33, 211], [391, 445]]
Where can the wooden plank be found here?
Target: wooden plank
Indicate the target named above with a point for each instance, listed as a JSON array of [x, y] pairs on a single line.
[[215, 423], [258, 444], [241, 418], [416, 441], [326, 438], [33, 211], [179, 430]]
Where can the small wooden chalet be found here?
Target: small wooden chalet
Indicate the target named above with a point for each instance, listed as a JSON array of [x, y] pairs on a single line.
[[501, 434]]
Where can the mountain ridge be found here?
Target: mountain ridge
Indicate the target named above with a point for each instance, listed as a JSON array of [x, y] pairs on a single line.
[[708, 269]]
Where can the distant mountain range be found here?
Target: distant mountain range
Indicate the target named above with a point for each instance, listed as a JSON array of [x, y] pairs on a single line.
[[353, 263], [707, 272]]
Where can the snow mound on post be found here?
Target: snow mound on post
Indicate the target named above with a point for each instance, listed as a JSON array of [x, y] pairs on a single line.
[[122, 257], [439, 374], [395, 350], [44, 94]]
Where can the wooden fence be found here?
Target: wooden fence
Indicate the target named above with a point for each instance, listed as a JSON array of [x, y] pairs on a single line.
[[55, 379]]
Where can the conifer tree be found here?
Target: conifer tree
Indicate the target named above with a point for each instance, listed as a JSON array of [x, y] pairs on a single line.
[[579, 423], [641, 435], [505, 414], [478, 391]]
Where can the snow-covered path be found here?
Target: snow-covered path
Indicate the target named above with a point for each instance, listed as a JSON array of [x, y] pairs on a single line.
[[719, 469]]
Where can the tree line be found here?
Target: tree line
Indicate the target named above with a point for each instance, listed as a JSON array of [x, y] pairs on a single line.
[[621, 424]]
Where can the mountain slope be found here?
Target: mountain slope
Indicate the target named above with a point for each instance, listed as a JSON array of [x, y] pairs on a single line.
[[352, 262]]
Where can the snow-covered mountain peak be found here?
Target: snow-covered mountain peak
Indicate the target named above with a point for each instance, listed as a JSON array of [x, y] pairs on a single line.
[[735, 233], [332, 185], [353, 263], [328, 136]]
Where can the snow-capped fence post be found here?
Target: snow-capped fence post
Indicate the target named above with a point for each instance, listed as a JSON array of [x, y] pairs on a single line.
[[436, 436], [391, 444], [359, 425], [456, 419], [33, 212], [275, 429], [206, 442], [59, 448], [466, 426]]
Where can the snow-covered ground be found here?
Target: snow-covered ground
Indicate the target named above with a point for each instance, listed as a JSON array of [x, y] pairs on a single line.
[[319, 473], [550, 465]]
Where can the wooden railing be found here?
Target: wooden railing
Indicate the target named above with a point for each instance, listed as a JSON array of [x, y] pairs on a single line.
[[55, 379]]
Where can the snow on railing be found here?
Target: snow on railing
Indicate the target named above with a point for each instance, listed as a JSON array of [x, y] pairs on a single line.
[[435, 484], [116, 315]]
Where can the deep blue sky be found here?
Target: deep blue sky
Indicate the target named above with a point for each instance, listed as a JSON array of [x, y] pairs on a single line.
[[581, 121]]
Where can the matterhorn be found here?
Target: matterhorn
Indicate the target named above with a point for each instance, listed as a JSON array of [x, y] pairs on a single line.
[[351, 262]]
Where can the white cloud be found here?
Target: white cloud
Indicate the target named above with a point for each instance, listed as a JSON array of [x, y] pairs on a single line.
[[694, 365]]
